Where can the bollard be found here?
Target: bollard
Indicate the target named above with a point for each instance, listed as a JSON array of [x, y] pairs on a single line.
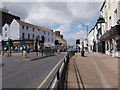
[[24, 54]]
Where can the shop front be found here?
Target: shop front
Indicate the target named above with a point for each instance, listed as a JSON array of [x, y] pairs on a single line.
[[112, 41], [17, 46]]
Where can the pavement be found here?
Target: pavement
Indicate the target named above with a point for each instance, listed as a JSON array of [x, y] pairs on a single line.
[[30, 56], [96, 71]]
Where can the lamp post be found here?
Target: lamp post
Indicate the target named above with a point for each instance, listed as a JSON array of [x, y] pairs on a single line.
[[87, 34]]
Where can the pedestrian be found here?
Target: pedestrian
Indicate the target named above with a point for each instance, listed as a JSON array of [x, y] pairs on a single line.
[[82, 51]]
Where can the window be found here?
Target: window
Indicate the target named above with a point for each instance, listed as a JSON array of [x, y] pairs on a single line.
[[118, 44], [33, 36], [44, 38], [22, 27], [33, 29], [52, 39], [44, 32], [23, 35], [27, 28], [5, 35], [48, 39], [52, 34], [5, 28], [28, 36]]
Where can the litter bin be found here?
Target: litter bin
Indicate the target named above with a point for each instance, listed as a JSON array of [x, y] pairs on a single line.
[[82, 53]]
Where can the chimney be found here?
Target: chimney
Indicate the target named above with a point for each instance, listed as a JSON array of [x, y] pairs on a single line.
[[61, 36], [57, 33]]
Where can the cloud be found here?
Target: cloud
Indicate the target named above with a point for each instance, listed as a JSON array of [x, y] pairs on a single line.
[[51, 13], [71, 38]]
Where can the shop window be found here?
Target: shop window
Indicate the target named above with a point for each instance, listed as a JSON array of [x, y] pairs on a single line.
[[111, 45], [107, 47], [118, 44]]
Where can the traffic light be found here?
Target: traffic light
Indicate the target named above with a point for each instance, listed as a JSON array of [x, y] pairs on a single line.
[[78, 41], [56, 42]]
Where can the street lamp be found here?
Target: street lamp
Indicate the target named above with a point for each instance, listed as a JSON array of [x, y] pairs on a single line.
[[87, 29], [87, 34]]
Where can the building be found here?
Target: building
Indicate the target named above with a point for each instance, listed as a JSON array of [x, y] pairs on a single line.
[[62, 44], [20, 31], [110, 11], [90, 40], [85, 45], [5, 18]]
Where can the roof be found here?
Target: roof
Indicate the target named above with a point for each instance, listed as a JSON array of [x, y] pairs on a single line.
[[34, 26], [7, 17]]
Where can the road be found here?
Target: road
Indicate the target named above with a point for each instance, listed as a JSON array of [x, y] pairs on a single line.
[[27, 74]]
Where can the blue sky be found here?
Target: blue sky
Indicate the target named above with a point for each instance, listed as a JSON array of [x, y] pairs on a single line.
[[62, 16]]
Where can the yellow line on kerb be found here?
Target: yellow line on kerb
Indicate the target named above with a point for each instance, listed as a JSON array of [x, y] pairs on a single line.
[[48, 75]]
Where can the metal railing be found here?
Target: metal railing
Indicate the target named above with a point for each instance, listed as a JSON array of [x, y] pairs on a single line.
[[58, 78]]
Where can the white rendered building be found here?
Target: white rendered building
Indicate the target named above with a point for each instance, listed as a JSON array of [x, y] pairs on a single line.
[[19, 30], [111, 29]]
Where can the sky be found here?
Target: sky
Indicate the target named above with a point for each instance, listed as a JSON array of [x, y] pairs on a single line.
[[67, 17]]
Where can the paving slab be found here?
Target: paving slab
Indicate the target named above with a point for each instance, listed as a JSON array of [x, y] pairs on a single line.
[[97, 70]]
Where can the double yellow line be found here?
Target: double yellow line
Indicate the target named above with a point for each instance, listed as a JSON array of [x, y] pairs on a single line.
[[48, 75]]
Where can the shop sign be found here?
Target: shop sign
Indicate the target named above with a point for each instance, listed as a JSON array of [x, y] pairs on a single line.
[[28, 42], [16, 42], [106, 35]]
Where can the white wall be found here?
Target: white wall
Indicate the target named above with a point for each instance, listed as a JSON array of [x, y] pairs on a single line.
[[90, 40], [5, 32], [0, 37], [14, 30]]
